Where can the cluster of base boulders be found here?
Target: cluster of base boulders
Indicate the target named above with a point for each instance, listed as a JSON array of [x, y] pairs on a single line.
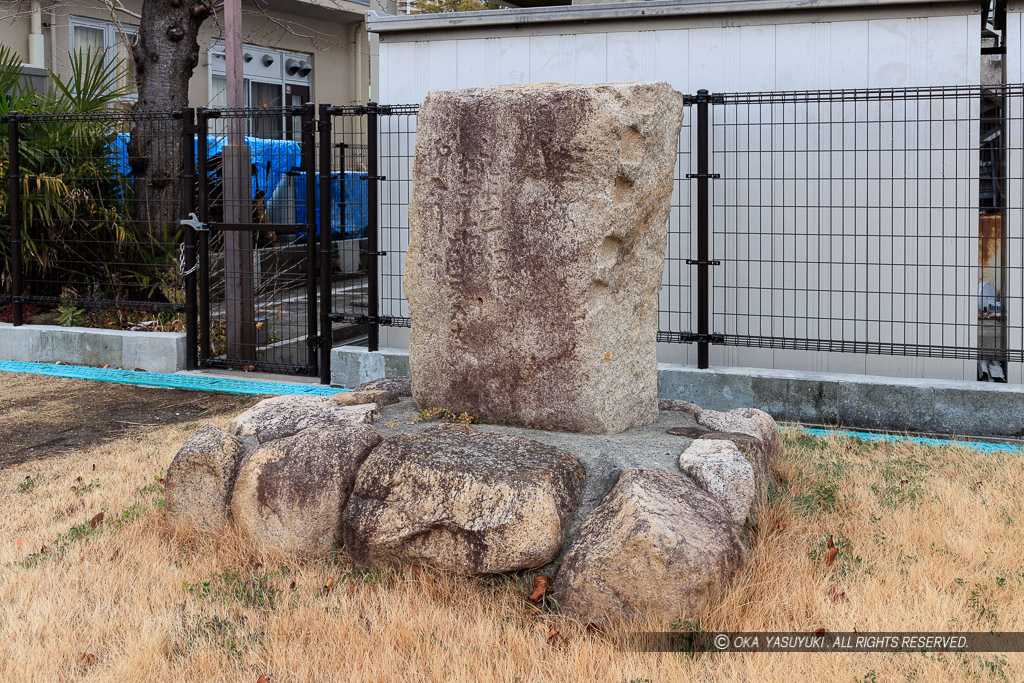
[[309, 474]]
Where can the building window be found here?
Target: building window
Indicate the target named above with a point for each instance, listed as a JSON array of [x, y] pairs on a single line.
[[272, 78], [111, 40]]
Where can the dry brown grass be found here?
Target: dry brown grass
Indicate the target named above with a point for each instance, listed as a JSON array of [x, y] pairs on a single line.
[[127, 601]]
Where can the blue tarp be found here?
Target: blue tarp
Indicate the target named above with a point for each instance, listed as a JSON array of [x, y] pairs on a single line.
[[354, 223], [275, 161], [273, 158]]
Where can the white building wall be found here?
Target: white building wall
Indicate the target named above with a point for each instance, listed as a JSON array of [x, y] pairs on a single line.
[[858, 53], [1014, 228]]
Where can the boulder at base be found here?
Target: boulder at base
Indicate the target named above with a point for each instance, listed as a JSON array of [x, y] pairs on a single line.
[[289, 493], [281, 416], [657, 545], [472, 502], [364, 396], [719, 468], [199, 480], [752, 431], [401, 385], [536, 249]]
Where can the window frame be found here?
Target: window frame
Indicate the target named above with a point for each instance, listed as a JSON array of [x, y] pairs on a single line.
[[114, 35]]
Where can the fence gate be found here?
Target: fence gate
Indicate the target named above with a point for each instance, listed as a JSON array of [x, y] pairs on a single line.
[[257, 261]]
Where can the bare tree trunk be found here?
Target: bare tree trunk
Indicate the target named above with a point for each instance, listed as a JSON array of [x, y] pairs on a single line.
[[166, 52]]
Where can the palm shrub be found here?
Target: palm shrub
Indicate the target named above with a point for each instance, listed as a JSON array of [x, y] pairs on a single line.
[[75, 197]]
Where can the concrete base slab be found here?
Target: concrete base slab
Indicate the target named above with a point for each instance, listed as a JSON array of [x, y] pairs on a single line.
[[353, 365], [152, 351], [942, 407]]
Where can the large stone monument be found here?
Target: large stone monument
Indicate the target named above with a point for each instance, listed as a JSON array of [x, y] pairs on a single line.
[[537, 245], [538, 236]]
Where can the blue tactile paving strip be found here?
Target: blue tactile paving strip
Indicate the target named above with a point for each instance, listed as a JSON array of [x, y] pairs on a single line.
[[225, 385], [983, 446]]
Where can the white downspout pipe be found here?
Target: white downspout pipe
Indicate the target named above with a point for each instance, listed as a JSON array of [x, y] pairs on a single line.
[[359, 94], [36, 45]]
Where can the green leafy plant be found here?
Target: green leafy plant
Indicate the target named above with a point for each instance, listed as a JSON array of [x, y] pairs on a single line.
[[75, 196]]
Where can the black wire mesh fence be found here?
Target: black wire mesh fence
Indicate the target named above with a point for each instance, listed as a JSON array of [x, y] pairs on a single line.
[[94, 198], [258, 265], [868, 221], [884, 221], [349, 154]]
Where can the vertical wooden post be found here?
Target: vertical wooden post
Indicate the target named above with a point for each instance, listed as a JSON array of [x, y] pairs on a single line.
[[237, 165]]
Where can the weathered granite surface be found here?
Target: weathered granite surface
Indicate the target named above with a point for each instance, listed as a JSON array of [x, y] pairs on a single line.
[[657, 546], [290, 492], [200, 479], [538, 229], [464, 500]]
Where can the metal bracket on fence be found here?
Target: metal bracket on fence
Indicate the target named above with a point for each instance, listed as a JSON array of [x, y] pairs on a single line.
[[689, 338], [713, 176], [359, 319], [373, 253], [702, 262], [703, 96], [193, 222], [375, 177]]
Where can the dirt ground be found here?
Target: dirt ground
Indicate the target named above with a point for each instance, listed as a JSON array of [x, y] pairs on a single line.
[[43, 416]]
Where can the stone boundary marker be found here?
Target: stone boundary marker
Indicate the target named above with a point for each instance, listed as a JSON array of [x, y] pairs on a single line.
[[307, 475], [537, 233]]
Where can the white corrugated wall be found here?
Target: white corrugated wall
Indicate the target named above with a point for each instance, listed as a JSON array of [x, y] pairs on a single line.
[[868, 53]]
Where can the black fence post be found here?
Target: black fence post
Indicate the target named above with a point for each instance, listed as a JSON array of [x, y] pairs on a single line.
[[703, 293], [309, 168], [188, 146], [326, 270], [203, 213], [14, 212], [372, 241]]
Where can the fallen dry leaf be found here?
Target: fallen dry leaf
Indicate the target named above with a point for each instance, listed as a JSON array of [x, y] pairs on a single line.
[[829, 543], [903, 484], [21, 542], [88, 659], [837, 595], [254, 563], [329, 585], [248, 368], [540, 587], [96, 520], [79, 479], [259, 325], [292, 585], [830, 556], [977, 486], [264, 678], [780, 526], [416, 571], [820, 631], [44, 548], [594, 629], [556, 639]]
